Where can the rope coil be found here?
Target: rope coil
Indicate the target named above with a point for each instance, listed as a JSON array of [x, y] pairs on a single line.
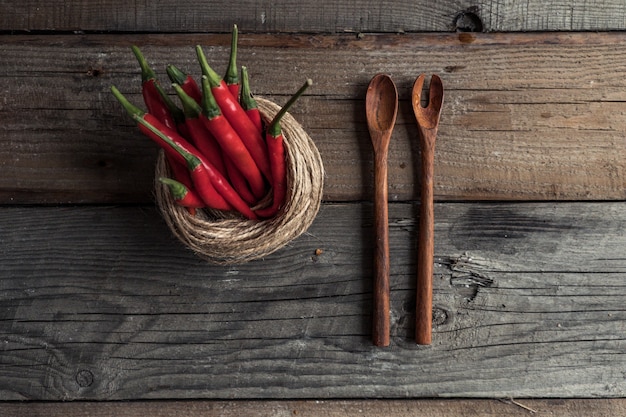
[[226, 239]]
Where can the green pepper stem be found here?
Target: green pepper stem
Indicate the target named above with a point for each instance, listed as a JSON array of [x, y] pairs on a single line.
[[128, 106], [247, 101], [274, 128], [192, 160], [191, 109], [210, 108], [178, 190], [214, 78], [232, 76], [147, 73], [176, 112], [175, 74]]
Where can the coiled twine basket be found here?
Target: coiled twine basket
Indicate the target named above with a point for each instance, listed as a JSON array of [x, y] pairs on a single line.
[[225, 238]]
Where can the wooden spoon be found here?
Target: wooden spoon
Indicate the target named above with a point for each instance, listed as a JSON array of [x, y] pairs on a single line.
[[381, 105], [428, 124]]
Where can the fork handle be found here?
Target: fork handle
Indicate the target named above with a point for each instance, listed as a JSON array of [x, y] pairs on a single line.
[[426, 246]]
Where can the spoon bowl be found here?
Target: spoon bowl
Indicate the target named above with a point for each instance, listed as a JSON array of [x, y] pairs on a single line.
[[381, 105]]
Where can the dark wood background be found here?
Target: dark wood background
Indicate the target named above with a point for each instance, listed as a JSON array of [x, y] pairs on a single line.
[[99, 302]]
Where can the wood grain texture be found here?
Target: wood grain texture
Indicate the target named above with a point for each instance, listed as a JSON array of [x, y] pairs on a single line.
[[336, 408], [100, 303], [325, 16], [528, 302], [527, 116]]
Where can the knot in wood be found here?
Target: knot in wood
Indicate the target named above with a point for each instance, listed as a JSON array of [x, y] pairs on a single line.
[[440, 316], [468, 21], [84, 378]]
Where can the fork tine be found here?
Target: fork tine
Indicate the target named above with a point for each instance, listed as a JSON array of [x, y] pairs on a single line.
[[435, 96], [418, 86]]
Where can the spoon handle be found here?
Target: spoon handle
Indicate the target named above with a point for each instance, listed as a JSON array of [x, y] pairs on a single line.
[[426, 245], [381, 316]]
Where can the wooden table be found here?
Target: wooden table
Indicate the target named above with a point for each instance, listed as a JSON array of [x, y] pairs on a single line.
[[100, 305]]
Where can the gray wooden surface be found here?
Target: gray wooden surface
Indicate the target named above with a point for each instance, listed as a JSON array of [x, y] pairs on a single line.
[[526, 116], [322, 16], [528, 302], [100, 304]]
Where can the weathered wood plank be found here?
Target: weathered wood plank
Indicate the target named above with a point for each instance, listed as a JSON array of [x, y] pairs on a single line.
[[324, 16], [101, 303], [337, 408], [526, 116]]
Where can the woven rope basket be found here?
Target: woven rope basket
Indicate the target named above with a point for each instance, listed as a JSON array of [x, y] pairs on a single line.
[[225, 238]]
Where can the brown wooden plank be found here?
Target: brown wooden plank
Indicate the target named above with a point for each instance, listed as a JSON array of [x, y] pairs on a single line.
[[526, 116], [336, 408], [100, 303], [324, 16]]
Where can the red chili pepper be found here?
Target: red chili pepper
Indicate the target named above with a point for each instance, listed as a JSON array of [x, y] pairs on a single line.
[[275, 144], [133, 110], [248, 103], [177, 114], [205, 177], [234, 113], [186, 82], [176, 163], [206, 144], [177, 148], [232, 77], [171, 143], [151, 96], [182, 194], [198, 133], [232, 145], [179, 170], [238, 181]]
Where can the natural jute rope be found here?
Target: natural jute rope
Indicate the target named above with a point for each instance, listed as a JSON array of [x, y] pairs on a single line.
[[229, 239]]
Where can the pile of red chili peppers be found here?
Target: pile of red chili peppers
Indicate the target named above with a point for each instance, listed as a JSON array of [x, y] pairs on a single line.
[[220, 153]]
